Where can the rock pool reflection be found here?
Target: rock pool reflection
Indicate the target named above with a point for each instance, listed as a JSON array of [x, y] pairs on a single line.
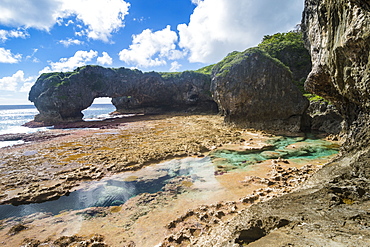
[[202, 173], [290, 148], [117, 189]]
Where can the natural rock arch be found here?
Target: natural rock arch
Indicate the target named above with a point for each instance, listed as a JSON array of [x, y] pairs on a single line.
[[61, 96]]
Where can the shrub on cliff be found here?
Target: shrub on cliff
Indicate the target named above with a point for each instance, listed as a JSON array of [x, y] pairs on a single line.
[[289, 49]]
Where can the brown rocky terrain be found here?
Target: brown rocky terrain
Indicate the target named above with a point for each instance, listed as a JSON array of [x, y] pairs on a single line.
[[42, 171], [332, 208], [178, 214]]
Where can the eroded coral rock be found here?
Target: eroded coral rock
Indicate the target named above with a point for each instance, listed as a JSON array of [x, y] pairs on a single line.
[[254, 90], [60, 97]]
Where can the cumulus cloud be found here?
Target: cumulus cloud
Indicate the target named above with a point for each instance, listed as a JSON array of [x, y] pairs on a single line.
[[6, 34], [80, 58], [175, 66], [6, 56], [149, 49], [10, 83], [68, 42], [100, 18], [218, 27], [40, 14], [105, 59]]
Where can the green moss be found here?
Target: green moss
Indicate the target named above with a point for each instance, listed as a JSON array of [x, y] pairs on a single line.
[[207, 70], [314, 97], [170, 75], [275, 44], [57, 79], [223, 68], [289, 48]]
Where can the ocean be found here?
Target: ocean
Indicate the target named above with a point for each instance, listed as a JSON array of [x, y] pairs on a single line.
[[12, 117]]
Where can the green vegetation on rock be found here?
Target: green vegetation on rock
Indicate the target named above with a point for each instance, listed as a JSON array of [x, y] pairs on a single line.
[[278, 43], [289, 49], [313, 97], [223, 67], [206, 70], [170, 75]]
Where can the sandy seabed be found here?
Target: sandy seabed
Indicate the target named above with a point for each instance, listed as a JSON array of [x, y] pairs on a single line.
[[52, 167]]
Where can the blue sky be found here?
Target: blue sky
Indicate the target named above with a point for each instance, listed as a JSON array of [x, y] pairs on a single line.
[[38, 36]]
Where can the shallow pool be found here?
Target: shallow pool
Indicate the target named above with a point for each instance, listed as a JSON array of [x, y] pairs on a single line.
[[202, 173]]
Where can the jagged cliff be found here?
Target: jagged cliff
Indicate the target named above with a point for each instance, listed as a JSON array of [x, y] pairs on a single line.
[[332, 208], [255, 90], [60, 97]]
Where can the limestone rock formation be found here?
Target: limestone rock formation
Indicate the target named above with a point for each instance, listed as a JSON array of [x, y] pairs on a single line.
[[254, 90], [187, 90], [60, 97], [331, 209], [290, 50], [324, 117], [337, 34]]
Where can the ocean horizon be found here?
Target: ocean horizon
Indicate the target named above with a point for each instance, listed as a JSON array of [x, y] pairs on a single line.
[[12, 117]]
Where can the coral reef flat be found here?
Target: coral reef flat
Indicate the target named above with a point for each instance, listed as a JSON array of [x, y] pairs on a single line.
[[197, 198]]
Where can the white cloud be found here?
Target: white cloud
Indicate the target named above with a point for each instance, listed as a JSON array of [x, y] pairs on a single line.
[[150, 49], [68, 42], [6, 34], [40, 14], [79, 59], [175, 66], [100, 18], [105, 59], [32, 57], [6, 56], [218, 27], [10, 83], [196, 2]]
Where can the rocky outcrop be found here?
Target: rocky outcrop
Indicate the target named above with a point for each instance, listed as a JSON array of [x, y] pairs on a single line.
[[324, 117], [337, 34], [188, 91], [254, 90], [290, 50], [60, 97], [331, 209]]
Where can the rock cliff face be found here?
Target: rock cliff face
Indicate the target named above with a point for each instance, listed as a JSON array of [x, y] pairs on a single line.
[[324, 117], [187, 90], [331, 209], [60, 97], [337, 33], [254, 90]]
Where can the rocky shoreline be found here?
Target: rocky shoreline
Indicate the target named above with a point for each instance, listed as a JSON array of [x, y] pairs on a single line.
[[50, 168]]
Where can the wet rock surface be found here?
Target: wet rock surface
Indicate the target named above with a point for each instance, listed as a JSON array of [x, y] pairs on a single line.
[[254, 90], [38, 136], [146, 219], [86, 241], [42, 171], [331, 208], [190, 228]]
